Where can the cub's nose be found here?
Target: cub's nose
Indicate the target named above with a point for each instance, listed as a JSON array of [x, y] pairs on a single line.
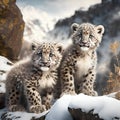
[[84, 42], [45, 63]]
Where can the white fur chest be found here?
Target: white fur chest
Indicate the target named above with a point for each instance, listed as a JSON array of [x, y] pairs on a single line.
[[82, 66], [46, 81]]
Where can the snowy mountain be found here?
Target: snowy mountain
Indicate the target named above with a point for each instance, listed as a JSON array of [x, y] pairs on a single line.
[[40, 16], [37, 23], [57, 9]]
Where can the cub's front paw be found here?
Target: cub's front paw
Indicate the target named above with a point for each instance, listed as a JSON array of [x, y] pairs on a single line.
[[94, 93], [14, 108], [37, 109], [68, 93]]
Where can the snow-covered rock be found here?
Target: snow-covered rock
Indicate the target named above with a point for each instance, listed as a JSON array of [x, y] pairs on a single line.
[[106, 108], [21, 115]]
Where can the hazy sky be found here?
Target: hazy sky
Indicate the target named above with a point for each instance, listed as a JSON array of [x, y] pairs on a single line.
[[59, 8]]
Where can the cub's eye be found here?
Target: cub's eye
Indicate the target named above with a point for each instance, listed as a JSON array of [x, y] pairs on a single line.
[[90, 36], [39, 53], [51, 54], [80, 34]]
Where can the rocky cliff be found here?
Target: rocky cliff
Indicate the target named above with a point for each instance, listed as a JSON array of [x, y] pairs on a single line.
[[11, 29]]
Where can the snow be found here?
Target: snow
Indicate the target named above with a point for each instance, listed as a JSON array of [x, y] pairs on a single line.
[[5, 64], [2, 111], [101, 105], [112, 94], [2, 76], [22, 115], [107, 108], [59, 110], [2, 87]]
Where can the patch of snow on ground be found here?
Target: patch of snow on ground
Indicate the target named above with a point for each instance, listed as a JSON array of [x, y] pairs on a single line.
[[24, 115], [113, 95], [59, 111], [2, 111]]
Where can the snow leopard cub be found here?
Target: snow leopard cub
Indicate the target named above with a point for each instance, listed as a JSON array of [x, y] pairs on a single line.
[[33, 80], [78, 66]]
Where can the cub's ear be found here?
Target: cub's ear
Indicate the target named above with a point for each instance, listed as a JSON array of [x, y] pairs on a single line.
[[34, 45], [74, 27], [100, 29], [59, 47]]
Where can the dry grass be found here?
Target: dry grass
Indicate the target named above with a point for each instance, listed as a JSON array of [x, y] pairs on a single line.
[[113, 83], [114, 47]]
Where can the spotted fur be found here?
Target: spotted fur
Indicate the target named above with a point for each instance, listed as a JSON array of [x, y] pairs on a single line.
[[78, 66], [30, 83]]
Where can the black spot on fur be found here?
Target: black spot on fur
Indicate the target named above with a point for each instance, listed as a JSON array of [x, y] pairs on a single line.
[[86, 75], [28, 86], [71, 72], [33, 89], [71, 78], [92, 74], [84, 80], [17, 93], [71, 84]]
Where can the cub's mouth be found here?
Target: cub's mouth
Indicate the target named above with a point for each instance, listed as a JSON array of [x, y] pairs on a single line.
[[84, 47], [44, 68]]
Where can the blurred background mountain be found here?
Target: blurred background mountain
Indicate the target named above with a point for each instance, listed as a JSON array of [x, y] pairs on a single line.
[[40, 16]]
